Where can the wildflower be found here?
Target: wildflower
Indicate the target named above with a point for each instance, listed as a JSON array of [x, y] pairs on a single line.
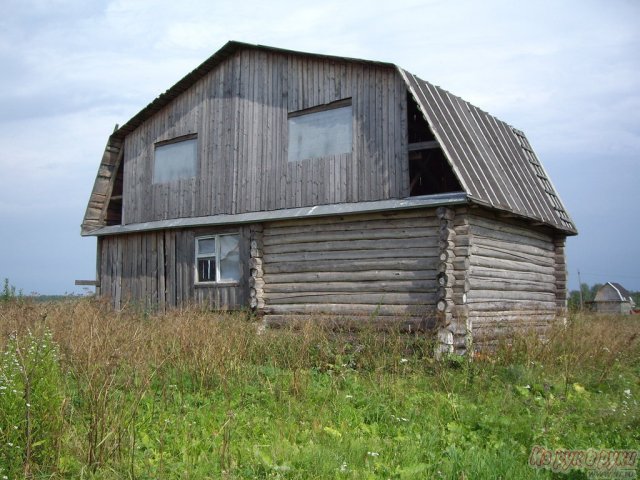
[[627, 393], [403, 360], [348, 396], [373, 454], [343, 467]]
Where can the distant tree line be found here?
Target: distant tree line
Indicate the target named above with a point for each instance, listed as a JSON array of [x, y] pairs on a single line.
[[589, 294]]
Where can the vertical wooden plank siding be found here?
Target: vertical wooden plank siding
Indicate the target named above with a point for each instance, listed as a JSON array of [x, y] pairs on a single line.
[[156, 270], [239, 113]]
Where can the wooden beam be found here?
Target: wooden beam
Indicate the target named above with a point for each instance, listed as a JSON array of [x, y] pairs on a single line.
[[423, 146], [88, 283]]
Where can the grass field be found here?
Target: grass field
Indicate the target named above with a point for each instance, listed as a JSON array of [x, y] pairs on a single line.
[[89, 393]]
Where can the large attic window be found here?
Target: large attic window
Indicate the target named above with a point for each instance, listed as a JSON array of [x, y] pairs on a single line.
[[429, 170], [175, 159], [321, 131]]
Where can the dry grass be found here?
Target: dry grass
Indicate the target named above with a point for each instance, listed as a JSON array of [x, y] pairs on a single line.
[[115, 362]]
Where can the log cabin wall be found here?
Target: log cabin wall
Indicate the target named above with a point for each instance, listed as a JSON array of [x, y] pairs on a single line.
[[239, 112], [515, 276], [156, 270], [376, 265]]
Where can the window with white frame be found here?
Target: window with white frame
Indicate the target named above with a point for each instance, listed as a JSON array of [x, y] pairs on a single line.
[[321, 131], [217, 259], [175, 159]]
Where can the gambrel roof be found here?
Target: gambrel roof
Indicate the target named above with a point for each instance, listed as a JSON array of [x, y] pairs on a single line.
[[492, 161], [613, 292]]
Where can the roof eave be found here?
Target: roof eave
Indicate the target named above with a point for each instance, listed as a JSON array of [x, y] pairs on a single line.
[[529, 219], [380, 206]]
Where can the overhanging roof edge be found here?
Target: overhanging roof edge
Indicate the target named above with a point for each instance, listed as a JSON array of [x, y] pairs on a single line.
[[288, 214]]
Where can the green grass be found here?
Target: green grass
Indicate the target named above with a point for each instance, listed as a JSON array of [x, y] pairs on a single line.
[[200, 395]]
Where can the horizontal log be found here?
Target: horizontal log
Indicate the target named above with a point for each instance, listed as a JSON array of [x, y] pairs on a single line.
[[328, 246], [419, 264], [543, 261], [445, 232], [256, 272], [354, 286], [510, 285], [459, 298], [446, 255], [391, 298], [477, 295], [405, 253], [256, 262], [256, 292], [310, 236], [350, 276], [499, 306], [461, 286], [511, 238], [496, 273], [461, 263], [443, 305], [446, 245], [256, 282], [522, 314], [507, 227], [462, 240], [365, 218], [352, 309], [445, 280], [520, 248], [461, 230], [514, 265]]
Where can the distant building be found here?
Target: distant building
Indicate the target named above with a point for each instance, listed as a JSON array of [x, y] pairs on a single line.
[[613, 298]]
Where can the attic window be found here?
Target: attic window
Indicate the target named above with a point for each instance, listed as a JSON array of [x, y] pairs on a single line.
[[175, 159], [321, 131]]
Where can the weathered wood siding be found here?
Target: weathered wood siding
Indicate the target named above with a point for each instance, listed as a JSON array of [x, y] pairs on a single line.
[[156, 270], [239, 112], [377, 264], [513, 278]]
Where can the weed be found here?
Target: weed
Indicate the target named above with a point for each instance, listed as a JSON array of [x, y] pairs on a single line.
[[197, 394]]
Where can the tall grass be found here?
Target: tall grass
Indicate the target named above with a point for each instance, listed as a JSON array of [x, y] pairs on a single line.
[[196, 394]]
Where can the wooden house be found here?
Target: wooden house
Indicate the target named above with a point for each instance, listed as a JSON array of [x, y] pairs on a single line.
[[297, 183], [613, 298]]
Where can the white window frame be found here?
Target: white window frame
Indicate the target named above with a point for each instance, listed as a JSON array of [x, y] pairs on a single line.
[[216, 255]]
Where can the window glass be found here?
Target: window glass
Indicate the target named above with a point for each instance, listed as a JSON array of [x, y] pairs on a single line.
[[320, 134], [175, 161], [207, 246], [229, 258], [207, 269]]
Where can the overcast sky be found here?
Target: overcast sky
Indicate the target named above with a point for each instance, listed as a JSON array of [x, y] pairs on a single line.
[[567, 73]]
